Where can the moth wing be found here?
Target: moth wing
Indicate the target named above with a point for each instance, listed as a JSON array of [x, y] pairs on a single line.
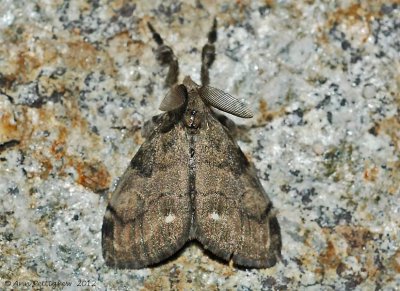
[[234, 217], [149, 215]]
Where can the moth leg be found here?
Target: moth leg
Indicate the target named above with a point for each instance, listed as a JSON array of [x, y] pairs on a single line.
[[161, 123], [226, 121], [166, 57], [237, 132], [208, 54], [150, 125]]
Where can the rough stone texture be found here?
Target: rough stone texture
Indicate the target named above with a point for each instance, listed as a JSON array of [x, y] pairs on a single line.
[[79, 78]]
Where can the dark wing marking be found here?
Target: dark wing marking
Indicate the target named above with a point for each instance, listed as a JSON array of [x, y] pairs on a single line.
[[149, 215], [234, 218]]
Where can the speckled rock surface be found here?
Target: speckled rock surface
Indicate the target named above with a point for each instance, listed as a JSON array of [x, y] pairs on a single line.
[[79, 78]]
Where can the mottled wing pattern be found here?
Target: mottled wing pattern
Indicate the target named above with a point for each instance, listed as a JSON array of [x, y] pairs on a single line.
[[149, 215], [234, 218]]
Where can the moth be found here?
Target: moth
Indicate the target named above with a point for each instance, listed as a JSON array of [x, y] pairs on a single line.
[[190, 181]]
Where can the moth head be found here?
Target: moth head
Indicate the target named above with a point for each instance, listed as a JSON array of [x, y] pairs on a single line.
[[217, 98]]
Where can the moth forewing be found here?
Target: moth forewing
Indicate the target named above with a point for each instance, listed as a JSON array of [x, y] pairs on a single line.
[[233, 215], [149, 216]]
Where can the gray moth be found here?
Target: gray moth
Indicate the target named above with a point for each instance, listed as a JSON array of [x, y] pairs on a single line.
[[190, 181]]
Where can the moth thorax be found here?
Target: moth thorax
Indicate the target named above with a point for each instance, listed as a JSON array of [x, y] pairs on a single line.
[[192, 118]]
